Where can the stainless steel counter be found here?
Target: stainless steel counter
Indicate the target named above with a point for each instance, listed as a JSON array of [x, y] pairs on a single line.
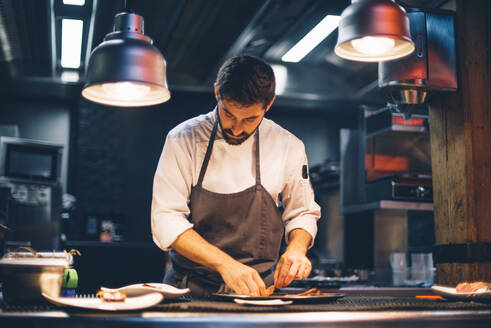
[[477, 315], [411, 319]]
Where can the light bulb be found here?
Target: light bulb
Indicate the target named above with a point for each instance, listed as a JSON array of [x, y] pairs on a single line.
[[373, 45], [126, 90]]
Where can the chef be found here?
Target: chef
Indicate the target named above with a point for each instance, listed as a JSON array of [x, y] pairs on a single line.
[[218, 186]]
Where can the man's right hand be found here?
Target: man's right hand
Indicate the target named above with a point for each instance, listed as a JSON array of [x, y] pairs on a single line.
[[242, 279]]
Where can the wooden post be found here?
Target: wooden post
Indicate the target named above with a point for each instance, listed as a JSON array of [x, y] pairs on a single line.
[[460, 132]]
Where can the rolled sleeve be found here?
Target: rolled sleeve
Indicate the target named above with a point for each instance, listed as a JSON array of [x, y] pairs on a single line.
[[171, 189], [306, 222], [300, 209], [166, 229]]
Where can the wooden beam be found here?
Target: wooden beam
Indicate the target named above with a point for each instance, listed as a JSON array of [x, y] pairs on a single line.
[[460, 131]]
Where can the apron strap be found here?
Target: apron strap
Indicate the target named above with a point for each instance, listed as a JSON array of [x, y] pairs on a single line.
[[258, 166], [204, 166]]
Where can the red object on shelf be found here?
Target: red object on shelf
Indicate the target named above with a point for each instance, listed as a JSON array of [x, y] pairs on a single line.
[[377, 166], [415, 121]]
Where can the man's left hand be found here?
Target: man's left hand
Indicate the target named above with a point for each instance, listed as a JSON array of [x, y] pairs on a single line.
[[294, 264]]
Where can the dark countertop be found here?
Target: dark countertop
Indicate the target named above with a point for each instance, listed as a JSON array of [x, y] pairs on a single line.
[[359, 308]]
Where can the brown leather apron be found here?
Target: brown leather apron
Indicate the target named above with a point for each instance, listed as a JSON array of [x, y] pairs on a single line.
[[247, 225]]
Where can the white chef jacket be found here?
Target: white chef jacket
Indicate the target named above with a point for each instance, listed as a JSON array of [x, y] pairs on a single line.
[[231, 169]]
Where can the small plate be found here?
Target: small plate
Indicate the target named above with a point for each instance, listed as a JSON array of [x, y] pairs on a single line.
[[95, 303], [166, 290], [275, 302], [285, 297], [451, 293]]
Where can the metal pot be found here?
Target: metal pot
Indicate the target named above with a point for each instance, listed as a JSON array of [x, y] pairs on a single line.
[[27, 275]]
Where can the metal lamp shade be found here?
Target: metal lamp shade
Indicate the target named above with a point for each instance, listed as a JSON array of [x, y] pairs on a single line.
[[379, 19], [126, 70]]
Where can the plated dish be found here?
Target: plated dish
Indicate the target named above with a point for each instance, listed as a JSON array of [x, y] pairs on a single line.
[[275, 302], [96, 303], [451, 293], [328, 297], [166, 290]]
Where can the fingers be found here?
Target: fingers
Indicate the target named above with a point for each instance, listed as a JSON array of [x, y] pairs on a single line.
[[260, 284], [279, 274], [292, 273], [242, 288], [304, 272], [289, 269], [246, 281], [286, 268]]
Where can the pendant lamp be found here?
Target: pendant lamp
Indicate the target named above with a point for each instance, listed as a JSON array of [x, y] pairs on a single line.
[[374, 31], [126, 70]]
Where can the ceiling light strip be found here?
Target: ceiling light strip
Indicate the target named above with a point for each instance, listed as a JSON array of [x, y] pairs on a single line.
[[71, 42], [74, 2], [312, 39]]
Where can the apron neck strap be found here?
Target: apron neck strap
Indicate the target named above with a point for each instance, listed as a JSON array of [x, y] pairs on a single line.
[[209, 149], [258, 167], [204, 166]]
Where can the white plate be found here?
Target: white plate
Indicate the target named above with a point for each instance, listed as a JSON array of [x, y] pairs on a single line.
[[152, 287], [275, 302], [451, 293], [95, 303], [284, 297]]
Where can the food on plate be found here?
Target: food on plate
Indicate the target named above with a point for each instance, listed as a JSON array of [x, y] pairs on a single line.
[[470, 287], [270, 290], [310, 292], [111, 296]]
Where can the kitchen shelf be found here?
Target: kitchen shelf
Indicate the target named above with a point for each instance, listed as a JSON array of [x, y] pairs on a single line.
[[388, 204], [398, 128], [383, 121], [122, 244]]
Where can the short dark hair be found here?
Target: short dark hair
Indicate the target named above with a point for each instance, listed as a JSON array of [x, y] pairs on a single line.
[[246, 80]]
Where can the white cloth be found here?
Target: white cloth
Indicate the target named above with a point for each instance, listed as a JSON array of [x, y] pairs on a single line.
[[231, 169]]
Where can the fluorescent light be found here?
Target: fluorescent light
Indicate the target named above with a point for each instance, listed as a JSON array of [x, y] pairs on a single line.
[[312, 39], [280, 74], [71, 42], [70, 76], [74, 2]]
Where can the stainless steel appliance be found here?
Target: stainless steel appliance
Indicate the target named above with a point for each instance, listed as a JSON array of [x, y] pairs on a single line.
[[31, 170], [401, 187], [431, 67], [26, 275]]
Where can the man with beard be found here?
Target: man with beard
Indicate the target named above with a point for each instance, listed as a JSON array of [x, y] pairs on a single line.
[[218, 185]]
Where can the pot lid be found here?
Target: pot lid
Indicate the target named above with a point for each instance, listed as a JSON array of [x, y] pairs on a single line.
[[33, 258]]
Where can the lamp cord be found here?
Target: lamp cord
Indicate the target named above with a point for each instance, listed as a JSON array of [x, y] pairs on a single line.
[[128, 6]]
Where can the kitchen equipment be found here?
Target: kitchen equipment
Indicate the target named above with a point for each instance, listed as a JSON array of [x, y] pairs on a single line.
[[31, 170], [31, 160], [27, 275], [432, 66], [400, 187]]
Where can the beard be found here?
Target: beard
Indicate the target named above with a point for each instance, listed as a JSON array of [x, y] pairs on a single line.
[[234, 140]]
